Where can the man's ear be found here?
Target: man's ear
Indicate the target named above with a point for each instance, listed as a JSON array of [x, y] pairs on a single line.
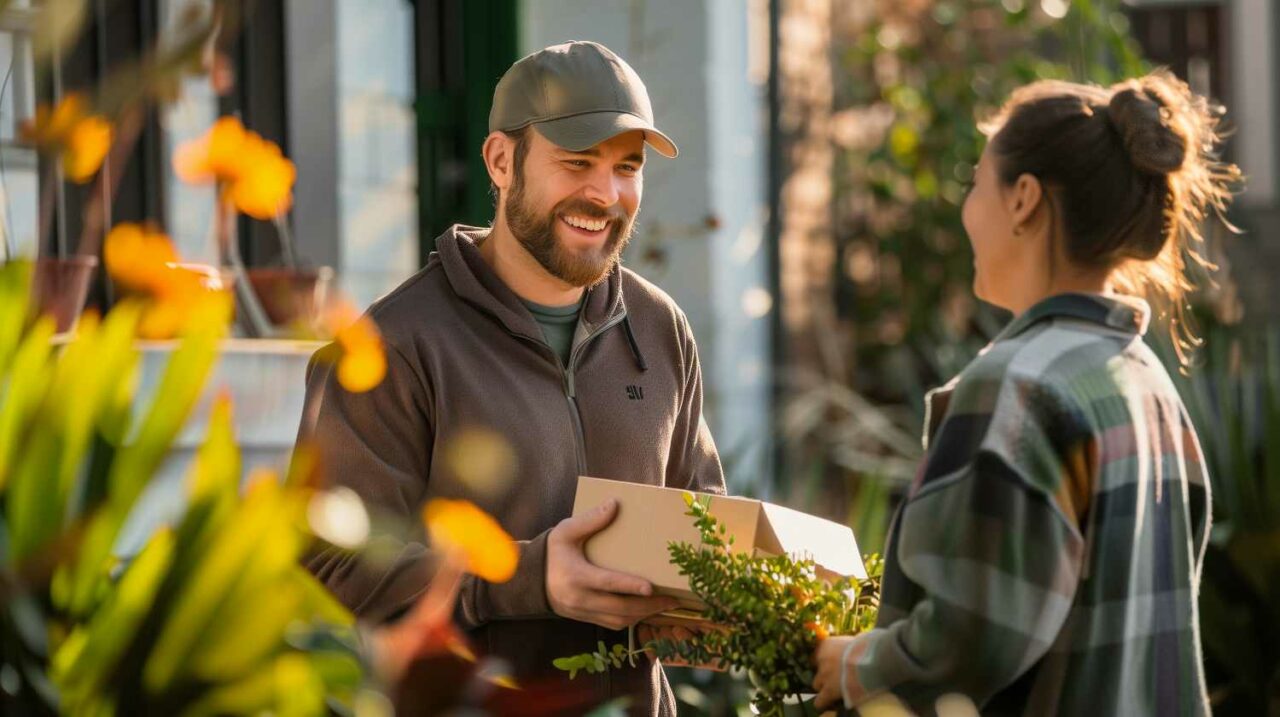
[[499, 159], [1024, 198]]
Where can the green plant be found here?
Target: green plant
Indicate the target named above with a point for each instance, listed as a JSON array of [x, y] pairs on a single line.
[[769, 614], [214, 615], [1233, 398], [915, 81]]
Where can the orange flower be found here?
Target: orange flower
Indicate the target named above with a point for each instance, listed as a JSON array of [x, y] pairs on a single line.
[[362, 369], [216, 156], [256, 177], [138, 256], [82, 139], [460, 526], [362, 362], [265, 189], [819, 631], [144, 262]]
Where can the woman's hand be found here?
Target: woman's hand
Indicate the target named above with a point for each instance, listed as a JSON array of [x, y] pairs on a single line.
[[831, 662]]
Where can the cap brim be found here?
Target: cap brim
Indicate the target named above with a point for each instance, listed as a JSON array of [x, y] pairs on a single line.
[[581, 132]]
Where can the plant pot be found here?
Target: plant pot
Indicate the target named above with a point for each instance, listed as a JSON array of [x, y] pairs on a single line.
[[59, 287], [291, 297]]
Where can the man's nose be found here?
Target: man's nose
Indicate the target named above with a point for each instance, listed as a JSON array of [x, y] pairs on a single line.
[[602, 188]]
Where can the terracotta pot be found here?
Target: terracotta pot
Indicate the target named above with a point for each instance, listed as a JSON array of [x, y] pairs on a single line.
[[60, 286], [290, 297]]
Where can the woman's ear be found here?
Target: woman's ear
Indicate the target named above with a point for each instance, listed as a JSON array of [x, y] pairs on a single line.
[[499, 158], [1024, 198]]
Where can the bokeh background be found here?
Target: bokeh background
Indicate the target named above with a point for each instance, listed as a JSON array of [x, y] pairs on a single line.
[[810, 227]]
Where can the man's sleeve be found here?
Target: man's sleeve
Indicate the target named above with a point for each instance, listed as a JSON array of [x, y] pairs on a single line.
[[694, 463], [995, 552], [378, 444]]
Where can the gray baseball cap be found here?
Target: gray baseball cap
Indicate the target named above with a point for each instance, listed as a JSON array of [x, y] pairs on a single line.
[[579, 94]]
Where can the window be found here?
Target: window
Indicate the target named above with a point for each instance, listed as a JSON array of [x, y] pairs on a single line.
[[19, 183]]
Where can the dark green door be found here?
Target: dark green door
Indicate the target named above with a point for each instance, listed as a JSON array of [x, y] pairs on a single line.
[[463, 47]]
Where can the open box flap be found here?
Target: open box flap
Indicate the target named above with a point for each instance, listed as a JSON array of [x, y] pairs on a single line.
[[783, 531]]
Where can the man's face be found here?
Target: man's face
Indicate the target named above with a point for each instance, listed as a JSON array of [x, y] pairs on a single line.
[[574, 211]]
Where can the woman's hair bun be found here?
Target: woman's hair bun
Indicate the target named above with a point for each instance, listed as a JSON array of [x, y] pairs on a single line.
[[1154, 118]]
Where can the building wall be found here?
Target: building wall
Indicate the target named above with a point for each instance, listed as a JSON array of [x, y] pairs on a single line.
[[701, 226], [1254, 28], [351, 122]]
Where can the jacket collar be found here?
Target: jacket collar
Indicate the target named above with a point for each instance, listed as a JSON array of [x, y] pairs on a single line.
[[474, 281], [1127, 314], [1123, 313]]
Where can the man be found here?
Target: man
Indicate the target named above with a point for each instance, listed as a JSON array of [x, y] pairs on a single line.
[[531, 329]]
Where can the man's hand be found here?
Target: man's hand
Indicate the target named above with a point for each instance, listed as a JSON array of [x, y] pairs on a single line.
[[578, 590], [829, 659]]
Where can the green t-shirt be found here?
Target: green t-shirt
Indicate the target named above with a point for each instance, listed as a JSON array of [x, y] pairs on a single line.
[[558, 325]]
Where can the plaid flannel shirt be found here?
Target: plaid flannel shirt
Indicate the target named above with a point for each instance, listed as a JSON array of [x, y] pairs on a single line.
[[1048, 556]]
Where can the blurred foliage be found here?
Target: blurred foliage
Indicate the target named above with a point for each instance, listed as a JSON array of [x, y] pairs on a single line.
[[1233, 398], [769, 614], [214, 615], [913, 80]]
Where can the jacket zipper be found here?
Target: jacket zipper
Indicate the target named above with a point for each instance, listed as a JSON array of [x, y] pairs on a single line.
[[570, 388], [605, 679]]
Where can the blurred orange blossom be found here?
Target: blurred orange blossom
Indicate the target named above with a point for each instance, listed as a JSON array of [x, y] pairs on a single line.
[[460, 527], [257, 178], [82, 139], [144, 262], [362, 362]]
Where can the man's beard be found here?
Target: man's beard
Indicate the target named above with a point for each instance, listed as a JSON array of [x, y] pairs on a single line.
[[537, 234]]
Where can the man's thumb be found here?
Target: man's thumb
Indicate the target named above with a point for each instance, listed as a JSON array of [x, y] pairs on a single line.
[[581, 527]]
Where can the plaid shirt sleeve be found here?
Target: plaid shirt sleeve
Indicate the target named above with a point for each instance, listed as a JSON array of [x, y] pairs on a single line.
[[989, 540]]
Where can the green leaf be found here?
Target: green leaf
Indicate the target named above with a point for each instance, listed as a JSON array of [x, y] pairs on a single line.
[[15, 293], [179, 388], [238, 547], [86, 660]]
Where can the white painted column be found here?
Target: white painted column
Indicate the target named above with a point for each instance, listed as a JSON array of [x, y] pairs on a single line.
[[1254, 57]]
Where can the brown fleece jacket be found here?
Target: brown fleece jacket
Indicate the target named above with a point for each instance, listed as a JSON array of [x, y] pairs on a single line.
[[463, 352]]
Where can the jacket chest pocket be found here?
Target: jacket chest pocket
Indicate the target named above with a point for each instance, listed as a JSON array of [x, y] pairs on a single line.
[[628, 425]]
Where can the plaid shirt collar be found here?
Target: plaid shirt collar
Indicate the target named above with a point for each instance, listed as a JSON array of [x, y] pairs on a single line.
[[1122, 313]]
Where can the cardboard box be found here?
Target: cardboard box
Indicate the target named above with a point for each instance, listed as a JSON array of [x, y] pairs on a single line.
[[650, 517]]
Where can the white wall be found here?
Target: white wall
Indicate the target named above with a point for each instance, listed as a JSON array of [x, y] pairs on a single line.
[[352, 136], [1254, 58], [694, 57]]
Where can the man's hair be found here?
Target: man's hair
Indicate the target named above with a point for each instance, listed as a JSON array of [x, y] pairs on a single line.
[[521, 138]]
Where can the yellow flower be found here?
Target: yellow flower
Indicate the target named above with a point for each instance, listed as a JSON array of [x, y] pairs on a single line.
[[82, 139], [138, 256], [362, 369], [265, 188], [144, 262], [86, 148], [458, 525], [255, 175], [51, 125], [362, 360], [216, 156]]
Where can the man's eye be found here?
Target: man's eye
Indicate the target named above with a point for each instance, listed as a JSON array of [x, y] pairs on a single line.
[[577, 163], [629, 168]]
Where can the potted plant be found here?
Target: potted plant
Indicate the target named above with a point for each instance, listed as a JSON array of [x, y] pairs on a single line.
[[253, 177]]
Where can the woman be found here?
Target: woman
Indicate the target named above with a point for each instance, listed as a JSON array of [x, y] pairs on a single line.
[[1048, 556]]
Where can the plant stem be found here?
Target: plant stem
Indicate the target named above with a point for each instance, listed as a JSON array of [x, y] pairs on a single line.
[[255, 322], [98, 210], [286, 242]]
